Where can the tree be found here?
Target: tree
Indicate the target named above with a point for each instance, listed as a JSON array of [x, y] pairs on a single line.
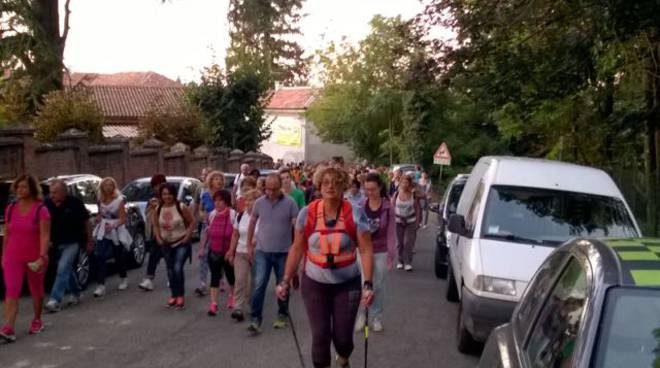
[[71, 109], [181, 123], [261, 33], [233, 107], [33, 44]]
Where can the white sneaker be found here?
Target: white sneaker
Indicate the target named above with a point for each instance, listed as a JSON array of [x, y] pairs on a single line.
[[408, 268], [123, 285], [146, 285], [100, 291], [377, 325], [53, 306], [359, 323], [399, 266]]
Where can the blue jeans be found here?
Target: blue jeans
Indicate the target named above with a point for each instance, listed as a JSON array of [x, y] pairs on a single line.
[[176, 258], [66, 280], [264, 262], [379, 280]]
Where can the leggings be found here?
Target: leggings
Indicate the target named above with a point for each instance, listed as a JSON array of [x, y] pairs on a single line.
[[218, 264], [331, 309], [14, 272]]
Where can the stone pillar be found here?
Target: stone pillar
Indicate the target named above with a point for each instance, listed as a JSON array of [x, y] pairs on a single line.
[[79, 140], [125, 144], [236, 158], [157, 145], [25, 134]]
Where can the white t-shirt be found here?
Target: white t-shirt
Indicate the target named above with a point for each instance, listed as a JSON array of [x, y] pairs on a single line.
[[242, 228], [238, 180]]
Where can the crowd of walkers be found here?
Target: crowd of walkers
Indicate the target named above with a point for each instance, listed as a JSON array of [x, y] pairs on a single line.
[[331, 231]]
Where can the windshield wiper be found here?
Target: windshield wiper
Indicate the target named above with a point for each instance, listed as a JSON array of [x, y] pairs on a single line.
[[515, 238]]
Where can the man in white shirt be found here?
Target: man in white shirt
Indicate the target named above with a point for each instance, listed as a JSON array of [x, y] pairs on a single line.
[[245, 171]]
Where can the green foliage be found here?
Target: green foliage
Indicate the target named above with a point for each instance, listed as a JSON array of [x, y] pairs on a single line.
[[233, 108], [14, 100], [64, 110], [182, 123], [262, 44]]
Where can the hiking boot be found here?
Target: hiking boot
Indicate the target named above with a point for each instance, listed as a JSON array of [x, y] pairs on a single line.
[[238, 315], [36, 327], [171, 302], [100, 291], [53, 306], [359, 323], [123, 284], [408, 268], [280, 322], [399, 266], [146, 285], [254, 327], [213, 309], [377, 325], [7, 333]]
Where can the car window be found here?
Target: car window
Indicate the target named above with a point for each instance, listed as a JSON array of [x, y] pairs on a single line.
[[188, 191], [473, 212], [629, 335], [138, 191], [86, 191], [536, 293], [453, 198], [552, 341]]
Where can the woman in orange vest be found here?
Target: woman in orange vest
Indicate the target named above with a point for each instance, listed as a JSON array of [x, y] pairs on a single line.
[[329, 234]]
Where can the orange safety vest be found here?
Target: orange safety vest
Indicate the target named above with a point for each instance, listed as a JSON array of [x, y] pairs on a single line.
[[329, 254]]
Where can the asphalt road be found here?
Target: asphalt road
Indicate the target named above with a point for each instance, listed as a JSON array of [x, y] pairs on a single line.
[[134, 329]]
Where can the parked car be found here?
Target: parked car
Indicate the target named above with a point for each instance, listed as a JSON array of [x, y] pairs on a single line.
[[445, 209], [592, 303], [405, 168], [229, 180], [512, 213]]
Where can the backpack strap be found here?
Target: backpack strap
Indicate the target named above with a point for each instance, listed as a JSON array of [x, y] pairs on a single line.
[[10, 211], [36, 214]]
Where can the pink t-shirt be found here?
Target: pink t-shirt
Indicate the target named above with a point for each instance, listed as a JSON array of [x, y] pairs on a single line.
[[23, 241]]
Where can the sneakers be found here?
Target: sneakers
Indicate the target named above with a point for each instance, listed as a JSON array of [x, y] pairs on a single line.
[[280, 323], [238, 315], [36, 327], [200, 292], [399, 266], [146, 285], [377, 325], [171, 302], [123, 284], [53, 306], [230, 301], [7, 333], [254, 327], [100, 291], [213, 309], [359, 323], [408, 268], [180, 304]]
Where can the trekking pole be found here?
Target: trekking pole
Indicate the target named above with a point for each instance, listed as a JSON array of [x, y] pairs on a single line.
[[366, 335], [295, 337]]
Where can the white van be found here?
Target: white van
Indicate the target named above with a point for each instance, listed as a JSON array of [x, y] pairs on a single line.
[[512, 213]]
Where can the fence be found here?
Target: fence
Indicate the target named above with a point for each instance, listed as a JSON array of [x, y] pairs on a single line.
[[73, 154]]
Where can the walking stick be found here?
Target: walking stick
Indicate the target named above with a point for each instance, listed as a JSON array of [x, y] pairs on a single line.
[[295, 337], [366, 335]]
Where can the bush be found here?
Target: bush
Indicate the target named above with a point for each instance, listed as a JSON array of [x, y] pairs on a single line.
[[64, 110], [183, 123]]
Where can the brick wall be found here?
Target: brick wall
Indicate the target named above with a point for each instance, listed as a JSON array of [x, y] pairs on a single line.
[[72, 154]]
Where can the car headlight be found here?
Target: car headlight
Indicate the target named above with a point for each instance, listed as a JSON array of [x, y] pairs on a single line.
[[495, 285]]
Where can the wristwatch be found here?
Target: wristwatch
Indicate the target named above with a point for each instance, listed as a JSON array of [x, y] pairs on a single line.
[[368, 285]]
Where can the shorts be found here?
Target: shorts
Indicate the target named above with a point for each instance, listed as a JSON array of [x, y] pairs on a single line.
[[15, 271]]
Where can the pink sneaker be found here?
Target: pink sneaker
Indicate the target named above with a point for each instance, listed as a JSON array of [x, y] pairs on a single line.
[[8, 334], [230, 301], [36, 327], [213, 309]]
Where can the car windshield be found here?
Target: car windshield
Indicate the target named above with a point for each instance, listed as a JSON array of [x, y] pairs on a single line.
[[140, 191], [550, 217], [454, 196], [629, 335]]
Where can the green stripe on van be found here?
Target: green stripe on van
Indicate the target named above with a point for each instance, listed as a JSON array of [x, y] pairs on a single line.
[[625, 243], [646, 277], [638, 256]]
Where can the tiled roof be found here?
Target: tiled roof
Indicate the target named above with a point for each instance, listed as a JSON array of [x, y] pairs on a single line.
[[126, 104], [148, 79], [291, 98], [128, 131]]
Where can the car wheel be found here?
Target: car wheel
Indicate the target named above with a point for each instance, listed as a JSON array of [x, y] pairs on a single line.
[[465, 343], [138, 249], [440, 261], [83, 268], [452, 289]]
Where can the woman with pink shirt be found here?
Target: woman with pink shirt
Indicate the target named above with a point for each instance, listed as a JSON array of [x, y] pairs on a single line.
[[25, 252]]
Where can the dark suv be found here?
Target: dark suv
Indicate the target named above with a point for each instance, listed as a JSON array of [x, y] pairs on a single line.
[[445, 209]]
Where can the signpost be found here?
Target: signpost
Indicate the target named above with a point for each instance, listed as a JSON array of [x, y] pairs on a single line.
[[442, 157]]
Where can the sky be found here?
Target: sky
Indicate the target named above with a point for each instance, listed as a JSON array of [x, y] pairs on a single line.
[[180, 37]]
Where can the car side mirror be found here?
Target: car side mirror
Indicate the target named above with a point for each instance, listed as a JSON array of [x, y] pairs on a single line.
[[457, 225], [434, 207]]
